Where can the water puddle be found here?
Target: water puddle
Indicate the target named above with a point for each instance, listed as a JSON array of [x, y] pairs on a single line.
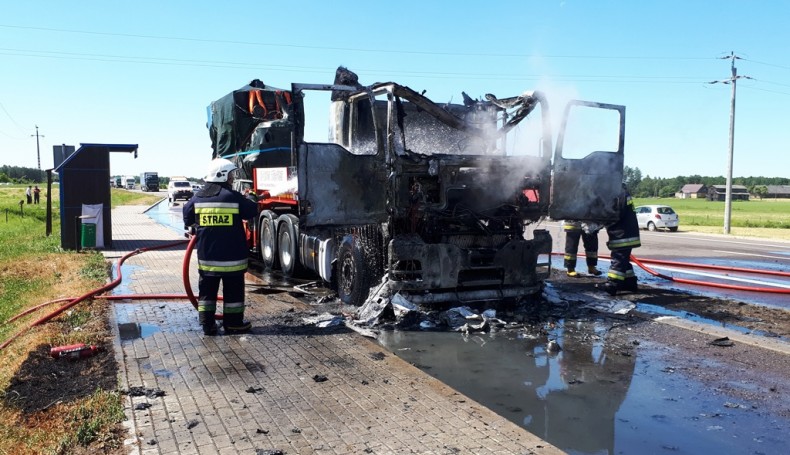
[[656, 310], [126, 278], [597, 395], [161, 372], [134, 330], [167, 214]]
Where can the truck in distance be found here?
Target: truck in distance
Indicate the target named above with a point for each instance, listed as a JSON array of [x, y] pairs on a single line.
[[435, 200], [129, 182], [149, 181]]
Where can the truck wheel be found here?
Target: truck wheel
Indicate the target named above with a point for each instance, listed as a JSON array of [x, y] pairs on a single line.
[[353, 276], [287, 244], [268, 242]]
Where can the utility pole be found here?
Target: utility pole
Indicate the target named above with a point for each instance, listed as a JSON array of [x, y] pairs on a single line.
[[730, 153], [38, 151]]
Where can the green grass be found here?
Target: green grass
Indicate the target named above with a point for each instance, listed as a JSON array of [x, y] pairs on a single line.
[[767, 213], [124, 197]]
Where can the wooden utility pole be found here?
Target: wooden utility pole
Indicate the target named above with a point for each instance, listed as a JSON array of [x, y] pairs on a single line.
[[38, 151], [730, 152]]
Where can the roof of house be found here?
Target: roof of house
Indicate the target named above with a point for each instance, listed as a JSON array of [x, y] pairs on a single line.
[[778, 189], [692, 188], [735, 188]]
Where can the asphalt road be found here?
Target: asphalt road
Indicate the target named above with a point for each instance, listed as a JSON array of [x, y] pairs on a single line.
[[708, 249]]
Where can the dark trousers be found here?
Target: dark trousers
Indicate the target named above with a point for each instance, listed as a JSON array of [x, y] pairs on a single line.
[[232, 296], [590, 242], [35, 198], [29, 199], [621, 271]]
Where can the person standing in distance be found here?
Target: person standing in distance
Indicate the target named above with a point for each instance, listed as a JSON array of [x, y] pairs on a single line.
[[216, 213], [575, 230], [623, 237]]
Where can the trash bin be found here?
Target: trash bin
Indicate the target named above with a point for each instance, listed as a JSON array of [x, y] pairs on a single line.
[[88, 234]]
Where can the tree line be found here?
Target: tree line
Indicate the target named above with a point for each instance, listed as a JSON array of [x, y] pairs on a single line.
[[19, 174], [647, 186]]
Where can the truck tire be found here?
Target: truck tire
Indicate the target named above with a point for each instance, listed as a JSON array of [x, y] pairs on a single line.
[[353, 275], [268, 240], [287, 244]]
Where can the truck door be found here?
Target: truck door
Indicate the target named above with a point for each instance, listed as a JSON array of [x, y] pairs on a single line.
[[588, 162]]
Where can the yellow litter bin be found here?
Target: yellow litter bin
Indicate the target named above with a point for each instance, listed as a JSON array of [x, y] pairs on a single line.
[[88, 235]]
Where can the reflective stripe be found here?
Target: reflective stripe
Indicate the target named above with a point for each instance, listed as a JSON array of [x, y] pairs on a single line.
[[632, 242], [615, 275], [592, 254], [233, 307], [199, 205], [207, 305], [224, 208], [222, 266], [217, 211], [570, 257]]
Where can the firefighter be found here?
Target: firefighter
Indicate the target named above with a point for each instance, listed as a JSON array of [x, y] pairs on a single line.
[[588, 233], [623, 237], [216, 213]]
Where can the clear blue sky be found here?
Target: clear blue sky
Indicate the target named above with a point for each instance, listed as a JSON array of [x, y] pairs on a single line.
[[143, 72]]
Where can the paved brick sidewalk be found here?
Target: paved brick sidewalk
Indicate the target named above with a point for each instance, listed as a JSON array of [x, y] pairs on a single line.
[[286, 386]]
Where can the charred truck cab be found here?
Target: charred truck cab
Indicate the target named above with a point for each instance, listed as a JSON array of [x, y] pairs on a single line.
[[433, 201]]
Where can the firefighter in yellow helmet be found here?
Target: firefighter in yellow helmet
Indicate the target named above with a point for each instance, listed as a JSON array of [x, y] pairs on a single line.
[[217, 213]]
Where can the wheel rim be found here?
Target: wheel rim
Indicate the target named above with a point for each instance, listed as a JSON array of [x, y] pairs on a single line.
[[285, 249], [267, 242], [347, 274]]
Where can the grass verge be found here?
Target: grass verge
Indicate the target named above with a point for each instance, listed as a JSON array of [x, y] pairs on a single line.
[[52, 405]]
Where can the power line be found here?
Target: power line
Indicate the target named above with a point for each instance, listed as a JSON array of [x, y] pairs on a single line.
[[417, 74], [344, 49]]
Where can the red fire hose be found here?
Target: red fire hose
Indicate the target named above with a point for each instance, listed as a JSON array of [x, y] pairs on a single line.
[[641, 263], [769, 290], [94, 293]]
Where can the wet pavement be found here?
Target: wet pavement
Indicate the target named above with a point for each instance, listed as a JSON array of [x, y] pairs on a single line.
[[290, 386], [608, 390], [604, 384]]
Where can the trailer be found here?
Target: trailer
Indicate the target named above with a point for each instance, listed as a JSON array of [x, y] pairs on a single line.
[[434, 200]]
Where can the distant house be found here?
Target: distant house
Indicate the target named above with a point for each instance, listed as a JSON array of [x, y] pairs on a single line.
[[692, 191], [719, 193], [778, 191]]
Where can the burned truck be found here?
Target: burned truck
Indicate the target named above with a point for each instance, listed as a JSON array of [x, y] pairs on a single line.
[[435, 201]]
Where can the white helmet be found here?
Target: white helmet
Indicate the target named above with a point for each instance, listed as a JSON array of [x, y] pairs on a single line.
[[219, 169]]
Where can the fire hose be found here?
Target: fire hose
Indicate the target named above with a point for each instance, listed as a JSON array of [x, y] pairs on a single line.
[[95, 293], [770, 290]]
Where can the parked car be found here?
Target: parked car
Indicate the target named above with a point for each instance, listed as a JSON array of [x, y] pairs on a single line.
[[652, 217], [179, 189]]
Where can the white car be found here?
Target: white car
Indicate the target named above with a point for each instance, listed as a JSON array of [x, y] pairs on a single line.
[[652, 217], [179, 189]]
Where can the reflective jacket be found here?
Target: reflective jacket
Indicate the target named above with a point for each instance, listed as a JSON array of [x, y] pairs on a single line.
[[218, 212], [625, 232]]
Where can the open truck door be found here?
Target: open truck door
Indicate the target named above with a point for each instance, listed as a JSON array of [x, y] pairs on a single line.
[[588, 163]]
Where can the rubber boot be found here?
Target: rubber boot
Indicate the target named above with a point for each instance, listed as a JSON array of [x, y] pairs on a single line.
[[235, 324], [208, 322], [630, 284], [593, 270], [571, 272], [609, 286]]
